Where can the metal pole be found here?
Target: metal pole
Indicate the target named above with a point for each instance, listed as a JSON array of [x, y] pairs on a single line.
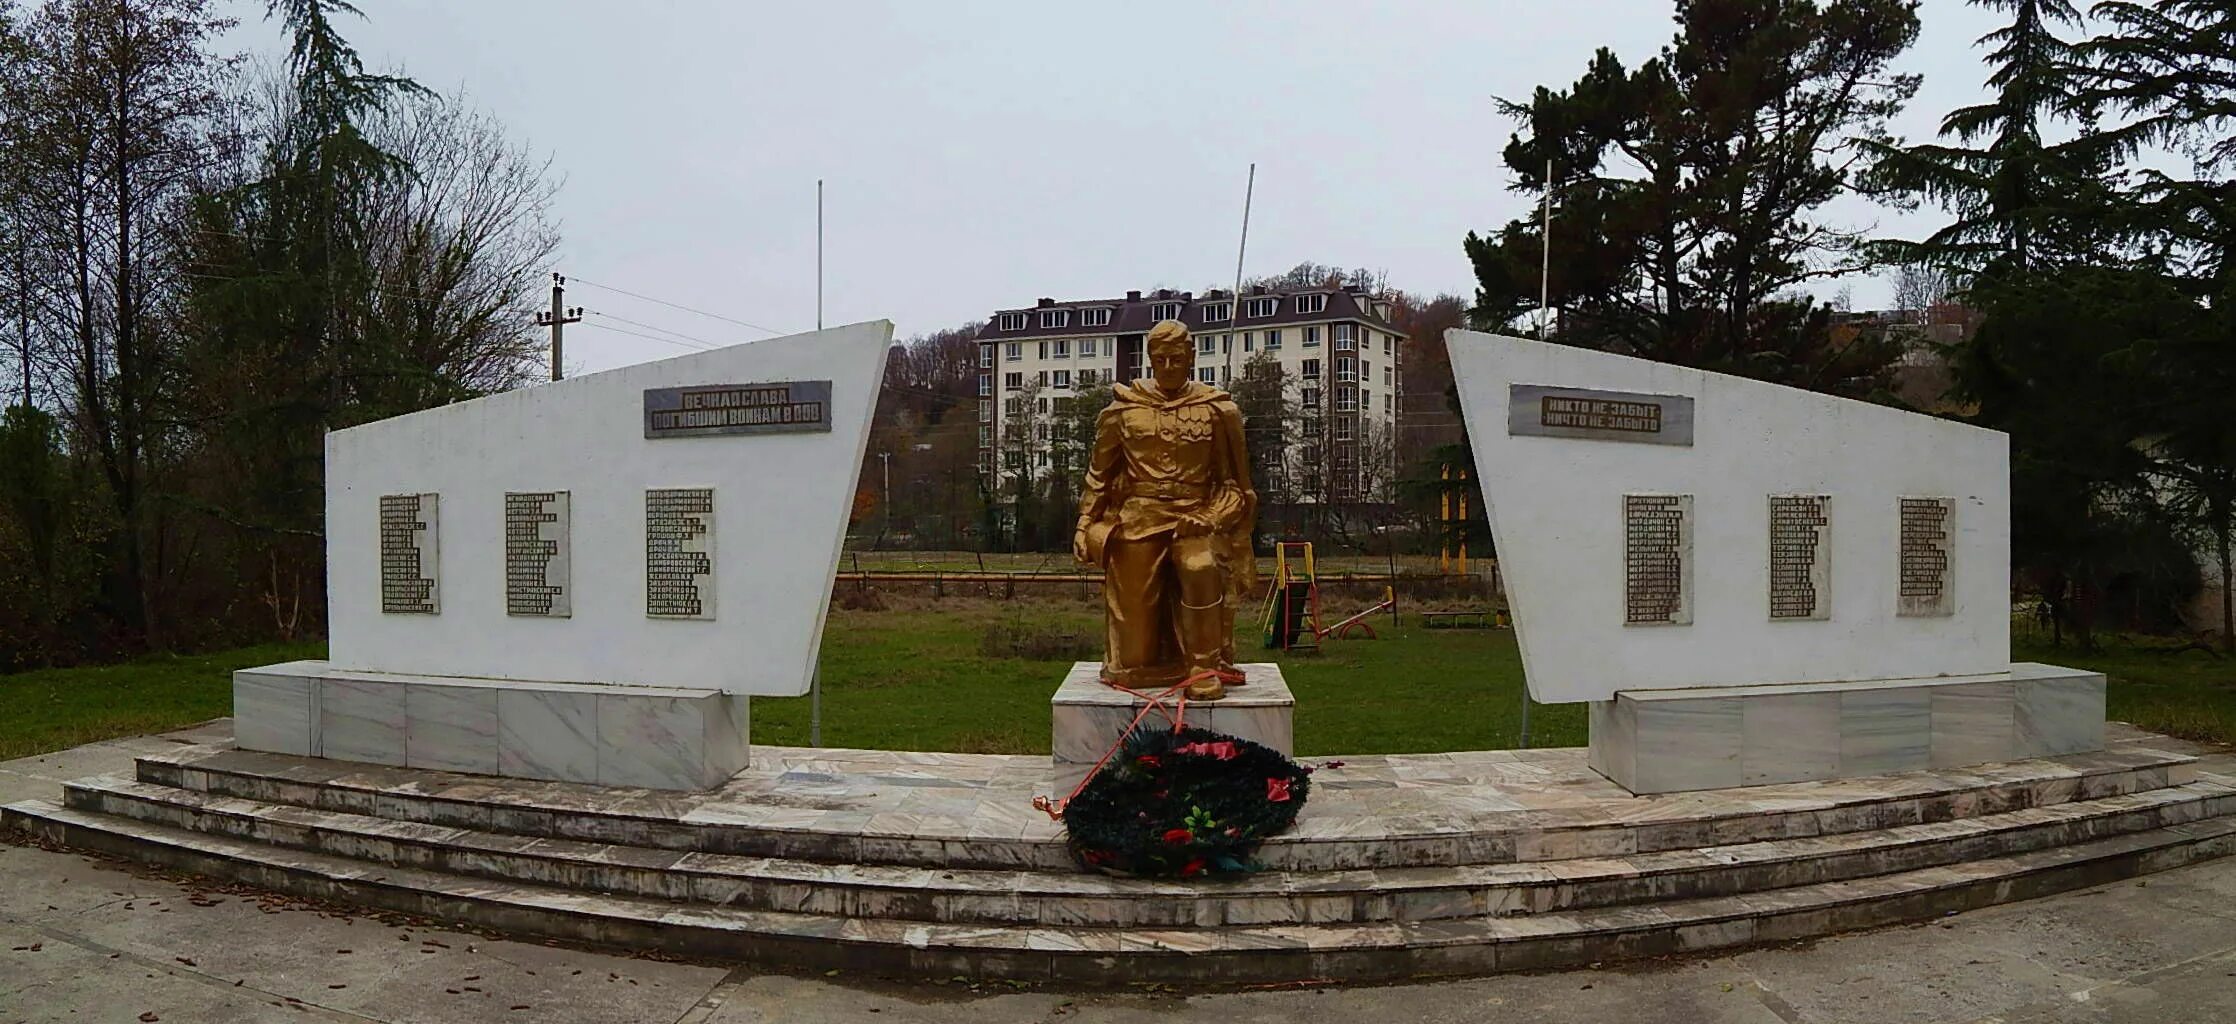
[[1545, 269], [818, 254], [1234, 310]]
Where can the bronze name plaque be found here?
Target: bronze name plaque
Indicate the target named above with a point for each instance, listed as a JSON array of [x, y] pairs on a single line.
[[1800, 567], [1657, 559], [1542, 411], [1927, 538], [409, 554], [774, 407]]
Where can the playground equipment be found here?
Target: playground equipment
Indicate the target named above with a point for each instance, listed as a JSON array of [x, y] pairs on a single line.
[[1292, 615]]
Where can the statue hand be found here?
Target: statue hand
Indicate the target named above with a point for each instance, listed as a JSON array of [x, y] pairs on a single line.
[[1079, 543], [1192, 525]]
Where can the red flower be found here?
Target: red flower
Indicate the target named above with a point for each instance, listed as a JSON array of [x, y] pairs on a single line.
[[1277, 790], [1179, 836], [1192, 868], [1224, 750], [1147, 761]]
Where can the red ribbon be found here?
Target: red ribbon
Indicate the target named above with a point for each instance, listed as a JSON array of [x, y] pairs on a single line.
[[1177, 715]]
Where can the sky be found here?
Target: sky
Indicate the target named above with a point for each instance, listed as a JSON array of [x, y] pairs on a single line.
[[979, 155]]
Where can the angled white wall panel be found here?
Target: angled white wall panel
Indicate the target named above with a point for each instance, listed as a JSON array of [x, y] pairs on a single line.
[[781, 500], [1554, 480]]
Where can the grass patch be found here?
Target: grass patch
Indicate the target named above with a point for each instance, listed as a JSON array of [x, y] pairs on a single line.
[[919, 676], [2190, 694], [50, 709]]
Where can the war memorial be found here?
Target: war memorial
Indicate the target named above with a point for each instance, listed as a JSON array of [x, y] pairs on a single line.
[[551, 610]]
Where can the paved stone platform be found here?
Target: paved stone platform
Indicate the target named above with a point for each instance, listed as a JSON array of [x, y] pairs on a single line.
[[936, 865]]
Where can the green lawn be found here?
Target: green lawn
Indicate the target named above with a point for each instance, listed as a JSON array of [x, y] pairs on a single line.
[[55, 708], [917, 677], [2190, 694]]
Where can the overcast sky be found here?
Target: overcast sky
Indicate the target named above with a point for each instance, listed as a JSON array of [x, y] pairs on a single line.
[[979, 155]]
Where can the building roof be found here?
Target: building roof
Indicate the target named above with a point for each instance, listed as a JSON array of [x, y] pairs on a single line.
[[1132, 314]]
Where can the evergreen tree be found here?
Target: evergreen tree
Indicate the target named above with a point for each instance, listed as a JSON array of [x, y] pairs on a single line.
[[1739, 131]]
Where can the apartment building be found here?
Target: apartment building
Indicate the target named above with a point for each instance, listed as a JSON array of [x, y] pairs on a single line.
[[1338, 351]]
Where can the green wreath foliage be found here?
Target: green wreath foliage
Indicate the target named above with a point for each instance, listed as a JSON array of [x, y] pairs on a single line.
[[1183, 803]]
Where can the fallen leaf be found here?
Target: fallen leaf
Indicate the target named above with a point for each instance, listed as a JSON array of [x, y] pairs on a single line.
[[186, 960], [339, 984], [149, 1017]]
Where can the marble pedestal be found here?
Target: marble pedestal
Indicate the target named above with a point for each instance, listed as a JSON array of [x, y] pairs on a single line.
[[1087, 717], [1668, 741], [655, 737]]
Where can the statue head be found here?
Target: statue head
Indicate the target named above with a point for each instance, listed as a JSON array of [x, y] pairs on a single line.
[[1172, 355]]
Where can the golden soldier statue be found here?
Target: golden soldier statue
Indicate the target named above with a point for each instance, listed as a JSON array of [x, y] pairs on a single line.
[[1167, 512]]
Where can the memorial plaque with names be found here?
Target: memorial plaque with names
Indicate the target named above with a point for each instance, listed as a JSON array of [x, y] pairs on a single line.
[[1800, 559], [774, 407], [409, 554], [1928, 537], [1540, 411], [537, 560], [1657, 556], [679, 553]]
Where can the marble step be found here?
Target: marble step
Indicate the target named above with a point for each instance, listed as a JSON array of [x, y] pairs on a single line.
[[1075, 898], [1225, 955], [805, 826]]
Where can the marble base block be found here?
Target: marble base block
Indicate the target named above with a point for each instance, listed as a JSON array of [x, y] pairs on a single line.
[[1669, 741], [650, 736], [1087, 717]]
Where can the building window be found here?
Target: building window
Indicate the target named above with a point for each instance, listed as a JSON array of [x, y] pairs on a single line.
[[1343, 430], [1344, 342], [1389, 375], [1217, 312], [1060, 379], [985, 408], [1063, 349], [1226, 374], [1310, 398], [1366, 400], [1389, 344], [1014, 350], [985, 437], [985, 355], [1013, 321], [1042, 349], [1248, 341], [1040, 379], [1312, 303], [1056, 318], [1273, 340], [1087, 345], [1346, 400], [985, 383], [1310, 369], [1044, 408], [1207, 345], [1015, 458], [1086, 378], [1094, 317], [1345, 371], [1311, 337], [1207, 374], [1312, 427], [1226, 343], [1164, 311], [1012, 381], [1261, 307]]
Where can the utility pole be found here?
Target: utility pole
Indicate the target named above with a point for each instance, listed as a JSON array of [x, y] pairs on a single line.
[[1234, 311], [559, 317]]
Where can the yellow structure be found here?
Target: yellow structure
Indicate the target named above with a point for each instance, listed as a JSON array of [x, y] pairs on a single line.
[[1167, 511]]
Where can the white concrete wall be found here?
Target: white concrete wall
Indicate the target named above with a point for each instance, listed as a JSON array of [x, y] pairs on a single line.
[[1555, 511], [781, 506]]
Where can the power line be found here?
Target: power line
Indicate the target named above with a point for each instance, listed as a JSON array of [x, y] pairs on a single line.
[[676, 305], [701, 342], [647, 337]]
